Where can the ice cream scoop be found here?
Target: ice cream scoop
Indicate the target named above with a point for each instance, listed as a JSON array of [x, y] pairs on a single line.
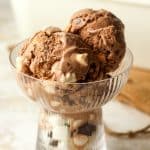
[[104, 32], [56, 55]]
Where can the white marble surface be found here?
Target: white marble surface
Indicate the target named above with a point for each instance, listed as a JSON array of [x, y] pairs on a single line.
[[18, 116]]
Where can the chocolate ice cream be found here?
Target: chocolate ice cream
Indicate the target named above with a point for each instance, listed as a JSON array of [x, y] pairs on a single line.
[[92, 46], [104, 32], [58, 56]]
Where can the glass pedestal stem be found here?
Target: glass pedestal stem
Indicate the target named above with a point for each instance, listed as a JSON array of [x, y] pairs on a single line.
[[71, 131]]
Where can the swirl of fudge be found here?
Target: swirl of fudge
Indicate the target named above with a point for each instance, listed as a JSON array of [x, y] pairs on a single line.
[[56, 55], [104, 32]]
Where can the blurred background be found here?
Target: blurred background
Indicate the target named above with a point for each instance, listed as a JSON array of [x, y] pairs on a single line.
[[21, 18]]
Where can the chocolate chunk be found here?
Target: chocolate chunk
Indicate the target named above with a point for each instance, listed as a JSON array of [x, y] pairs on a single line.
[[50, 134], [54, 143], [73, 132], [87, 129], [67, 100], [67, 124]]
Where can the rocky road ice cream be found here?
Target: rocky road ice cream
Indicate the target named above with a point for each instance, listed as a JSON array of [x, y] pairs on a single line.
[[64, 68], [104, 32], [55, 55]]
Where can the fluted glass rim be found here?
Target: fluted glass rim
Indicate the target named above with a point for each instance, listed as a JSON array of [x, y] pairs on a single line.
[[130, 63]]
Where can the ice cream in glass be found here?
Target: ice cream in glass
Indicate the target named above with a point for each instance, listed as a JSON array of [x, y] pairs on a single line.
[[72, 73]]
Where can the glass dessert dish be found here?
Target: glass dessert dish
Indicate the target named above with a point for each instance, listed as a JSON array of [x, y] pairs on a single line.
[[71, 114]]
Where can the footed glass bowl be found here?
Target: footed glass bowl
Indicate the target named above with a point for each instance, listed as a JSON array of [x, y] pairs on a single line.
[[71, 115]]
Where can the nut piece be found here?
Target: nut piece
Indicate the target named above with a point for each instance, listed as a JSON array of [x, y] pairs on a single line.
[[77, 124], [101, 57], [50, 30], [82, 59], [55, 67], [54, 103], [69, 77], [92, 117], [80, 140]]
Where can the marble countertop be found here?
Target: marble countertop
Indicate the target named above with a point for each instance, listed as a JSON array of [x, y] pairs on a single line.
[[19, 116]]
